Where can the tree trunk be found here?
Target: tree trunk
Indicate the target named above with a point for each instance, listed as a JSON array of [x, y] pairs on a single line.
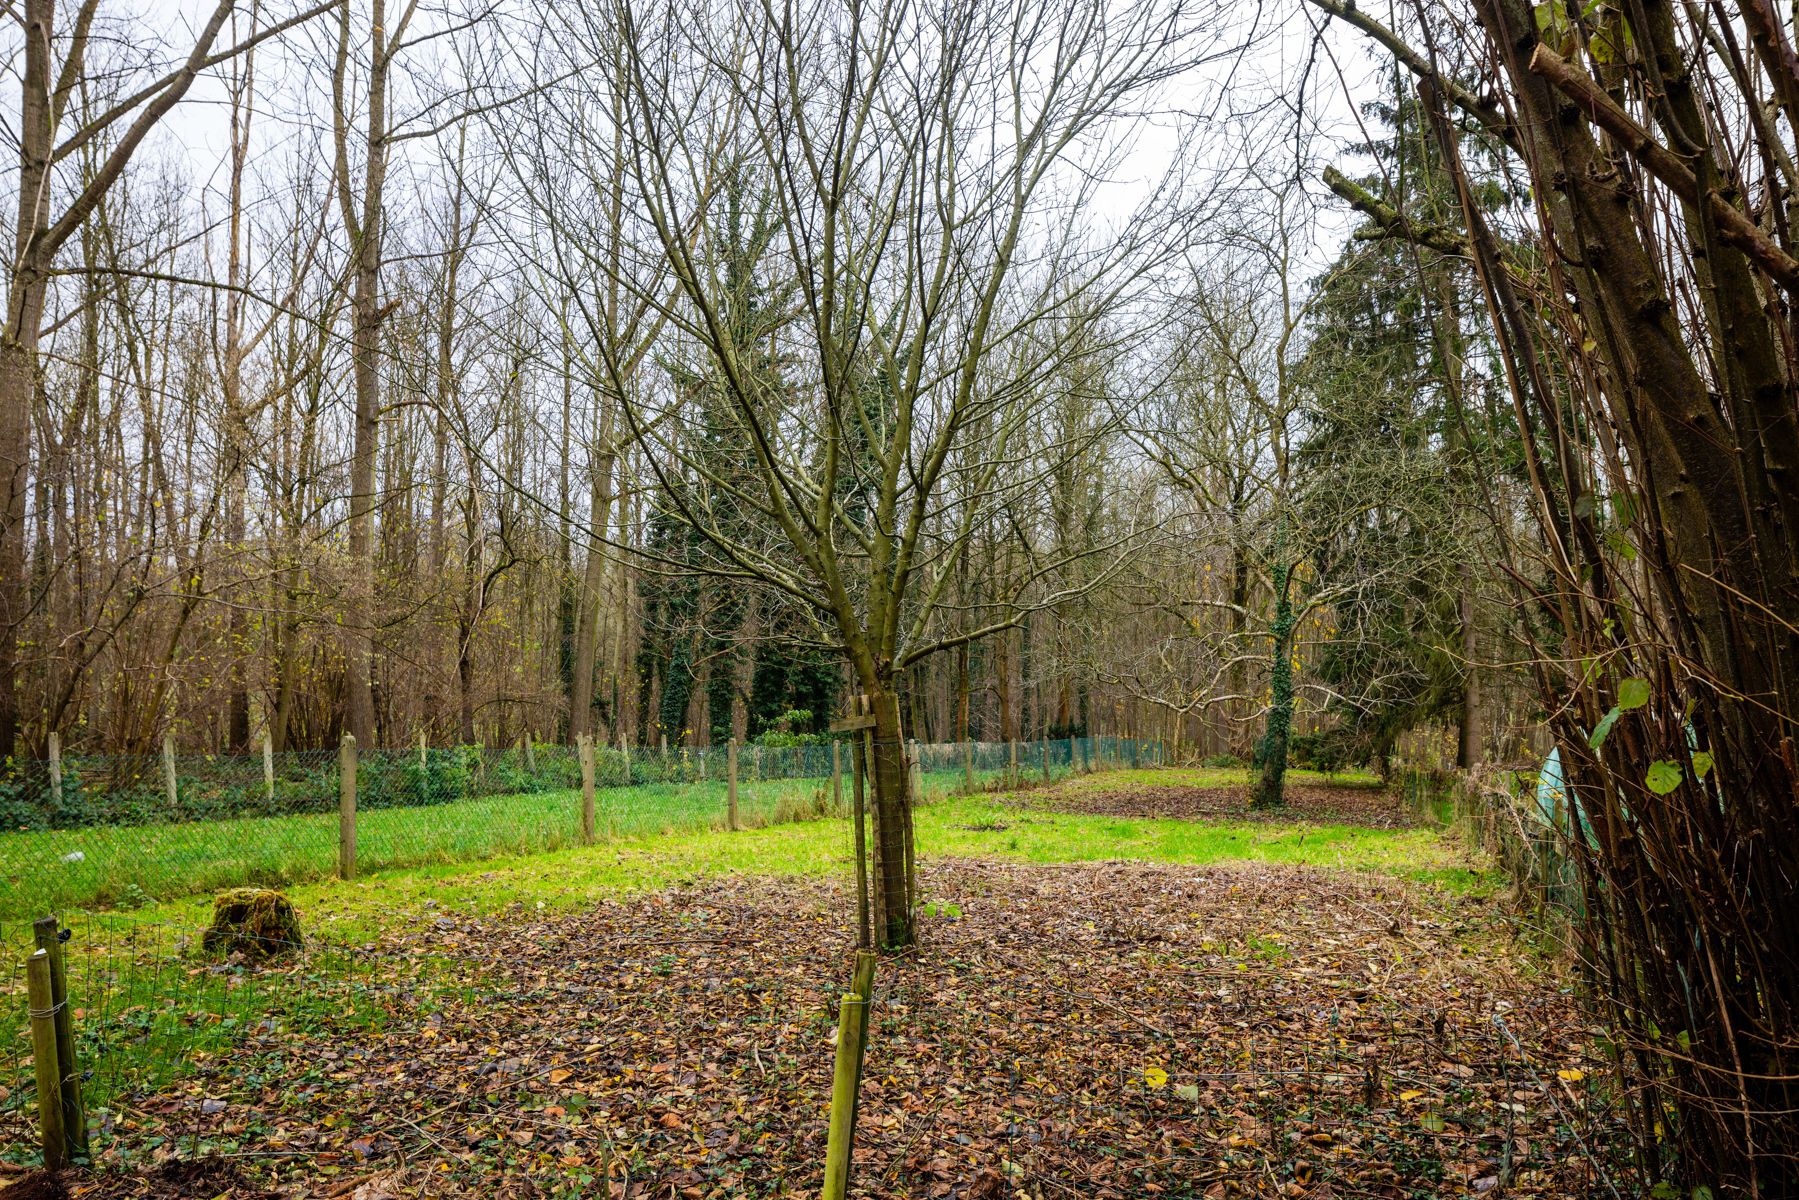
[[365, 351], [1468, 743], [593, 574], [893, 823], [18, 351], [1271, 755]]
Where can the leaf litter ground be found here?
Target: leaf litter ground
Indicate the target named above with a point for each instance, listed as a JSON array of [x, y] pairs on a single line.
[[1373, 807], [1104, 1029]]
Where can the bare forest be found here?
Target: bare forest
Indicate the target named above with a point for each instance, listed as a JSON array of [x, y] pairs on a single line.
[[1295, 389]]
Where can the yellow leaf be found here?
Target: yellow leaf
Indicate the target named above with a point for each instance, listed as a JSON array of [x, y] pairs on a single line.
[[1155, 1077], [1410, 1094], [1572, 1075], [557, 1076]]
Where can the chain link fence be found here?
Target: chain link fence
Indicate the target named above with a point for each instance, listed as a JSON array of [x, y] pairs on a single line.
[[118, 831]]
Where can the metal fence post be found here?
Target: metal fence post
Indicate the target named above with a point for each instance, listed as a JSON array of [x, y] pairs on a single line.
[[346, 807], [731, 785], [836, 777]]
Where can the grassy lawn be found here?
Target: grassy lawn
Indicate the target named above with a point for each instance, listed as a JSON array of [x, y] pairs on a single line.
[[130, 865], [987, 827], [146, 994]]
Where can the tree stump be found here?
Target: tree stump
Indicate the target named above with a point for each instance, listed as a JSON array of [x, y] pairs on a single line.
[[257, 922]]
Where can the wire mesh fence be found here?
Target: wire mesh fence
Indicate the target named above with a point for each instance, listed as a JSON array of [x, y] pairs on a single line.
[[124, 831], [1498, 811]]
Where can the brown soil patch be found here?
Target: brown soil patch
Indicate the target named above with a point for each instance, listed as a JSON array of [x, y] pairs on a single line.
[[1321, 803]]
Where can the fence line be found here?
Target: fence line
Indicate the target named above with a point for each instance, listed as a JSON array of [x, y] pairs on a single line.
[[122, 831]]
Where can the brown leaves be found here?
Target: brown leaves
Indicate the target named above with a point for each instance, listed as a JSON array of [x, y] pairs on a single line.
[[1355, 805], [1106, 1030]]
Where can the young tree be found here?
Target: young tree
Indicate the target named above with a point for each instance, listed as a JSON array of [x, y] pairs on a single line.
[[910, 154]]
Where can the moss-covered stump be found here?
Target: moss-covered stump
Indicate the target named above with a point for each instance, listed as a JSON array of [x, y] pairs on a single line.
[[256, 922]]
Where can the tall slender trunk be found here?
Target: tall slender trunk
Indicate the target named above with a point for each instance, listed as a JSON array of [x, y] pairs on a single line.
[[593, 574], [19, 350], [1271, 755], [237, 427], [367, 316]]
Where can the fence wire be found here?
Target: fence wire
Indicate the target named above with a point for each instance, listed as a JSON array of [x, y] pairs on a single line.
[[126, 831]]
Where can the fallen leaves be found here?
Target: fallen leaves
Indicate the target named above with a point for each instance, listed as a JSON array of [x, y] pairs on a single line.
[[1319, 803], [1104, 1030]]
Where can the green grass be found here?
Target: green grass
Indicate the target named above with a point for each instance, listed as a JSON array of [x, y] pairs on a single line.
[[129, 865], [135, 865], [134, 971], [962, 827]]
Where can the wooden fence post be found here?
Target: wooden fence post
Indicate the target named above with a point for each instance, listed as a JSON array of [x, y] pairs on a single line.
[[42, 1010], [424, 757], [584, 748], [56, 770], [877, 878], [530, 755], [168, 770], [1012, 768], [859, 765], [624, 748], [862, 982], [915, 773], [346, 807], [836, 777], [845, 1083], [268, 768], [74, 1117], [731, 785], [967, 763], [1046, 762]]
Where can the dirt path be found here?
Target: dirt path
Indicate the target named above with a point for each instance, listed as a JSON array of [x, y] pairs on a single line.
[[1104, 1030]]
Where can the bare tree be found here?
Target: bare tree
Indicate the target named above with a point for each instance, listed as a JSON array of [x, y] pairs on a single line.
[[41, 231], [907, 154]]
